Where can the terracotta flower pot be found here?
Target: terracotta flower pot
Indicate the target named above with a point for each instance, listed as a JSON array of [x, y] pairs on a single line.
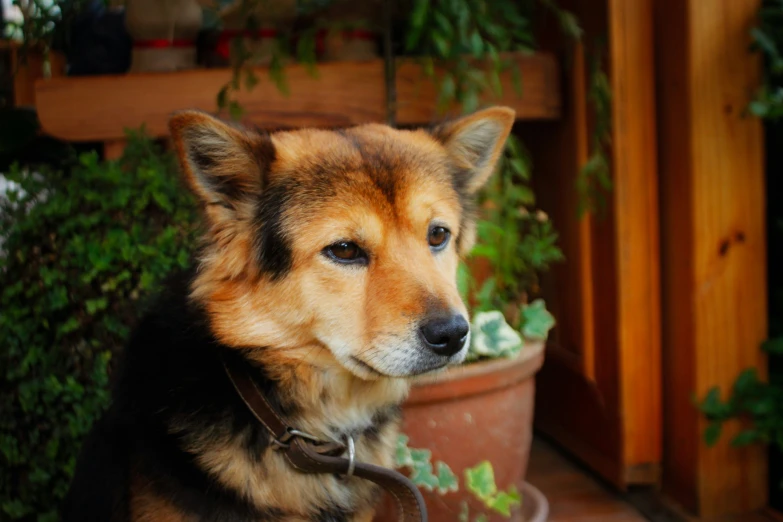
[[267, 18], [351, 31], [164, 33], [350, 45], [481, 411]]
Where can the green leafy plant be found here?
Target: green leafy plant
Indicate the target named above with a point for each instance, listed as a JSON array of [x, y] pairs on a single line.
[[493, 337], [759, 401], [431, 477], [81, 249], [768, 39], [480, 480], [438, 477], [516, 240]]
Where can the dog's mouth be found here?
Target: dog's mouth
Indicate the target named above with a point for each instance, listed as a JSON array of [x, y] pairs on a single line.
[[366, 367], [365, 370]]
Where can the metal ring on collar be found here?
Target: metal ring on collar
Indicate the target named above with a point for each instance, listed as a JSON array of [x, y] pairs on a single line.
[[351, 455]]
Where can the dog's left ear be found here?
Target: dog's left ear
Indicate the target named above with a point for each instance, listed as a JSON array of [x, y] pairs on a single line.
[[223, 165], [474, 144]]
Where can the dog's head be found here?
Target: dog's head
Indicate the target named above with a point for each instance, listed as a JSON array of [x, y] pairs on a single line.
[[340, 247]]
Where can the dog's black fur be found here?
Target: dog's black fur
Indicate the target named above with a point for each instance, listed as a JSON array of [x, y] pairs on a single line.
[[172, 370]]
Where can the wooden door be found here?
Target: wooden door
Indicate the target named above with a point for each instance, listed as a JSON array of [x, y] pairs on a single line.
[[599, 391]]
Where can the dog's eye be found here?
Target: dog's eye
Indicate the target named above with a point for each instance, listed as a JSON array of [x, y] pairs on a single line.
[[438, 237], [346, 252]]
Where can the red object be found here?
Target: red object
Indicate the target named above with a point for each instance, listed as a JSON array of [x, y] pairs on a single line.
[[223, 48], [163, 43], [351, 34]]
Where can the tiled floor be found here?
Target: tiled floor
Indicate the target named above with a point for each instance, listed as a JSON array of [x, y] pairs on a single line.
[[574, 495]]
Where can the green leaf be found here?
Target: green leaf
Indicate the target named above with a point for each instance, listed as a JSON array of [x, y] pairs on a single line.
[[95, 305], [251, 80], [222, 97], [774, 345], [493, 337], [447, 480], [712, 406], [441, 44], [504, 501], [423, 477], [402, 454], [747, 382], [746, 438], [480, 480], [712, 433], [536, 320], [759, 108], [235, 110]]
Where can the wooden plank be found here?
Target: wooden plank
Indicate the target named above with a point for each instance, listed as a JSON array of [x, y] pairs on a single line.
[[540, 96], [713, 233], [28, 68], [635, 200], [344, 93]]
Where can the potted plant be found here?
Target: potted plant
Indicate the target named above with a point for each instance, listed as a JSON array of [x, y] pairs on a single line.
[[476, 421], [164, 33]]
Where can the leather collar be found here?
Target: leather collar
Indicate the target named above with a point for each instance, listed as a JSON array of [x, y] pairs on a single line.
[[307, 454]]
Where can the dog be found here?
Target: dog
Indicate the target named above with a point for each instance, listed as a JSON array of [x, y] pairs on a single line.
[[328, 271]]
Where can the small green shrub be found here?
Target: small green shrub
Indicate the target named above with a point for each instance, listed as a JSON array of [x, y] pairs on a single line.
[[81, 249]]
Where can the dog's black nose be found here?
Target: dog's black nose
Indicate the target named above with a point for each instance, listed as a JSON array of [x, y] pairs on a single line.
[[445, 335]]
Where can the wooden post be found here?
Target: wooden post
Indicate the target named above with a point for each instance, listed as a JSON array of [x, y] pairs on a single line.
[[113, 149], [713, 243]]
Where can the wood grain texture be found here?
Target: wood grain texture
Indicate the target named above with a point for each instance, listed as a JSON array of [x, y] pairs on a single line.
[[635, 200], [344, 93], [599, 390], [27, 67], [714, 274]]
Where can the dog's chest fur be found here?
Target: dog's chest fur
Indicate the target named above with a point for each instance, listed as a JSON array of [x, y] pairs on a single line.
[[181, 441]]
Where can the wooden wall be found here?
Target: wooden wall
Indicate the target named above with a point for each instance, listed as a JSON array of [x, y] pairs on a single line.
[[713, 243]]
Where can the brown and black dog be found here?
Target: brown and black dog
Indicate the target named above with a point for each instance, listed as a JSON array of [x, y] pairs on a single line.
[[328, 270]]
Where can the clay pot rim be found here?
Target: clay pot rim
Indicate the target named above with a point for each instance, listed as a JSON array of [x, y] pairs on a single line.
[[480, 377]]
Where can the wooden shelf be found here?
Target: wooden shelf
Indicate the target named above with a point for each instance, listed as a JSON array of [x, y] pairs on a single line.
[[99, 108]]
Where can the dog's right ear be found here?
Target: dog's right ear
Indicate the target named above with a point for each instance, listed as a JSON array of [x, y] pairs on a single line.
[[222, 165]]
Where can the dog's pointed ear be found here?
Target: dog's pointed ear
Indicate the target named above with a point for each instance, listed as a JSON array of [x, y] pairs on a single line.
[[474, 144], [221, 164]]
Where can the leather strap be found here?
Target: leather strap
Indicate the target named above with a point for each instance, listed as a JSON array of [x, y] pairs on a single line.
[[309, 455]]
